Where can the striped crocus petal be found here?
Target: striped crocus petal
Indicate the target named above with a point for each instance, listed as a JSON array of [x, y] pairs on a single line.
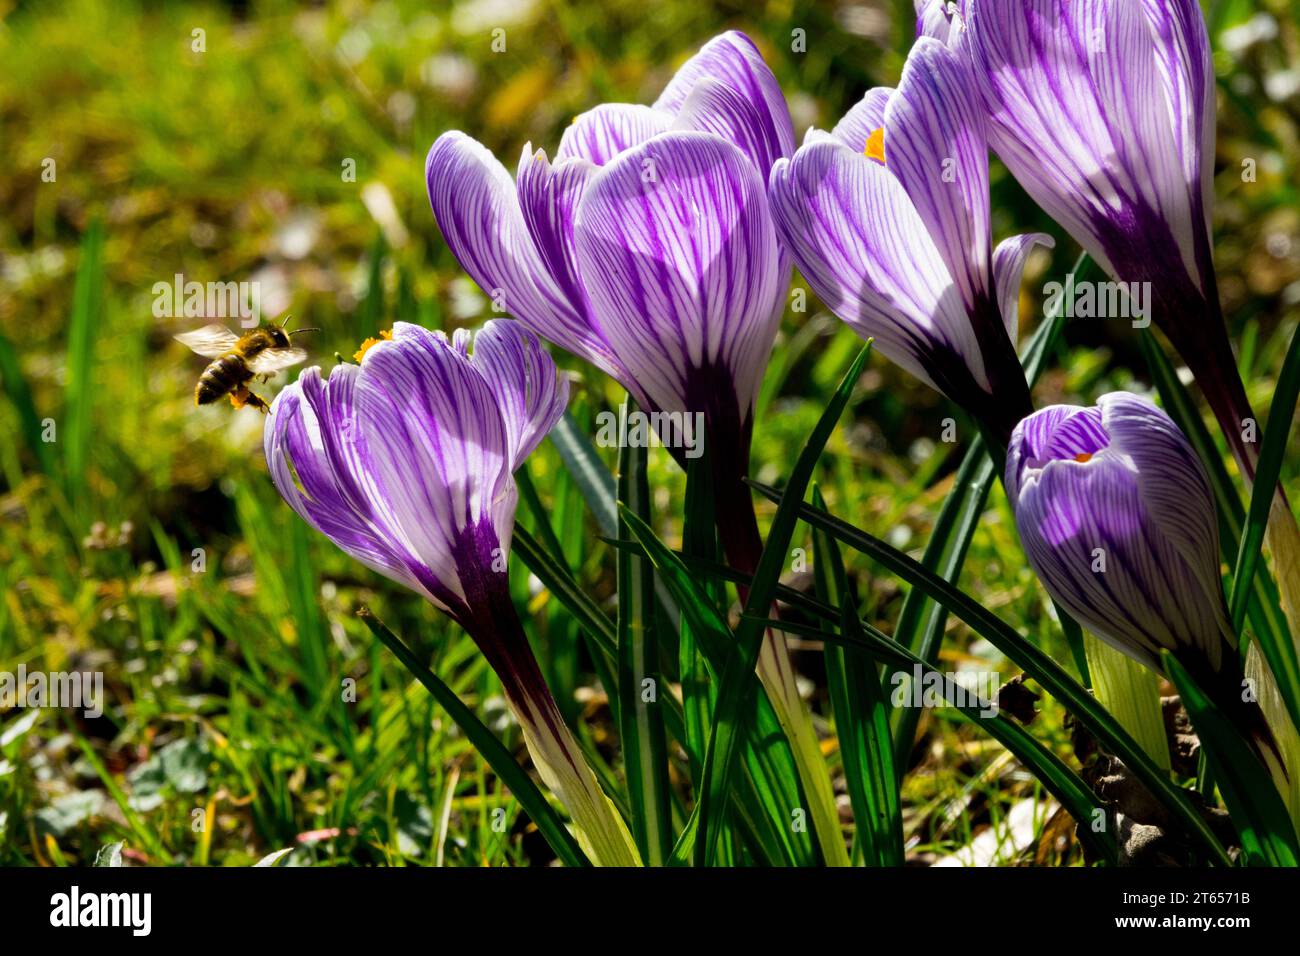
[[1182, 45], [1116, 517], [478, 209], [405, 462], [676, 249], [1081, 117], [935, 143], [1008, 269], [940, 19], [600, 134], [858, 240], [864, 119], [732, 59]]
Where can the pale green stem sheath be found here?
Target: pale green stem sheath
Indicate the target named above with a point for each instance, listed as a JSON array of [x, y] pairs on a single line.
[[1279, 721], [792, 714], [494, 623], [1131, 693]]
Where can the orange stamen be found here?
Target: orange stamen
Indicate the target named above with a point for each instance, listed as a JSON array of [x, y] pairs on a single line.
[[1082, 457], [368, 344], [875, 148]]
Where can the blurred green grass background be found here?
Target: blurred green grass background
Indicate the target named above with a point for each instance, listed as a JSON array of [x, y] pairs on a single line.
[[247, 709]]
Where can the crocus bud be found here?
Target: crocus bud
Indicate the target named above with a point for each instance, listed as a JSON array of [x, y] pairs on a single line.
[[1116, 516]]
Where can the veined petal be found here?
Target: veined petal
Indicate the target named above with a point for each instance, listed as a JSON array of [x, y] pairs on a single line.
[[935, 143], [1175, 488], [1182, 46], [677, 251], [863, 118], [1008, 270], [857, 239], [478, 210], [438, 452], [935, 18], [1101, 527], [530, 393], [732, 59], [1079, 115], [714, 107], [316, 455], [600, 134]]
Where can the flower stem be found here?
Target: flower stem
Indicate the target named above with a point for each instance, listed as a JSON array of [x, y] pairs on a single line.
[[491, 619], [743, 544]]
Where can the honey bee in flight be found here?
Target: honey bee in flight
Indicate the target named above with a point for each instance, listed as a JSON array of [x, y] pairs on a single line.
[[237, 360]]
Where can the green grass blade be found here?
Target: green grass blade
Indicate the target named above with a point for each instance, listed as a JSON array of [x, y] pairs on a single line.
[[1036, 664], [583, 463], [640, 721], [501, 760], [699, 539], [1281, 658], [861, 710], [1267, 835], [79, 393]]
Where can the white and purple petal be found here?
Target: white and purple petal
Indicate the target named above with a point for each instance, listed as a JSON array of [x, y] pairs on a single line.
[[863, 118], [676, 249], [1080, 116], [732, 59], [603, 132], [478, 209], [1008, 269], [936, 144], [530, 393], [858, 240]]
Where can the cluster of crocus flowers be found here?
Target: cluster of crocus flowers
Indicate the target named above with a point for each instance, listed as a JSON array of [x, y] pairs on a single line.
[[888, 218], [647, 247], [1116, 516], [1105, 112], [406, 462]]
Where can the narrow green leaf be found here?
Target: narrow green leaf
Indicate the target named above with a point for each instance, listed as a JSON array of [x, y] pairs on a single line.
[[1281, 658], [500, 759], [861, 715], [79, 393], [1254, 805], [640, 720], [738, 679], [1062, 782], [1037, 664]]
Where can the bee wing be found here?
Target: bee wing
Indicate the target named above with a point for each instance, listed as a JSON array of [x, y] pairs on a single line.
[[272, 360], [210, 341]]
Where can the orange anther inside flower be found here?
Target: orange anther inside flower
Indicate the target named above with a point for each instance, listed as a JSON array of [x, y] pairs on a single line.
[[1083, 456], [876, 145], [368, 344]]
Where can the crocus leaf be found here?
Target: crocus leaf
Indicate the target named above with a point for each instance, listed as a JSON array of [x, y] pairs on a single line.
[[1062, 782], [640, 716], [861, 715], [1268, 837]]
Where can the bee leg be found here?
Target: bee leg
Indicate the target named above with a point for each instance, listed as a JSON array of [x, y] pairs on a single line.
[[256, 401]]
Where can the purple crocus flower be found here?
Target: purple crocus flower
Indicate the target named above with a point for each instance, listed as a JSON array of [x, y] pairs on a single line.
[[645, 246], [1104, 111], [1116, 516], [887, 216], [406, 462]]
